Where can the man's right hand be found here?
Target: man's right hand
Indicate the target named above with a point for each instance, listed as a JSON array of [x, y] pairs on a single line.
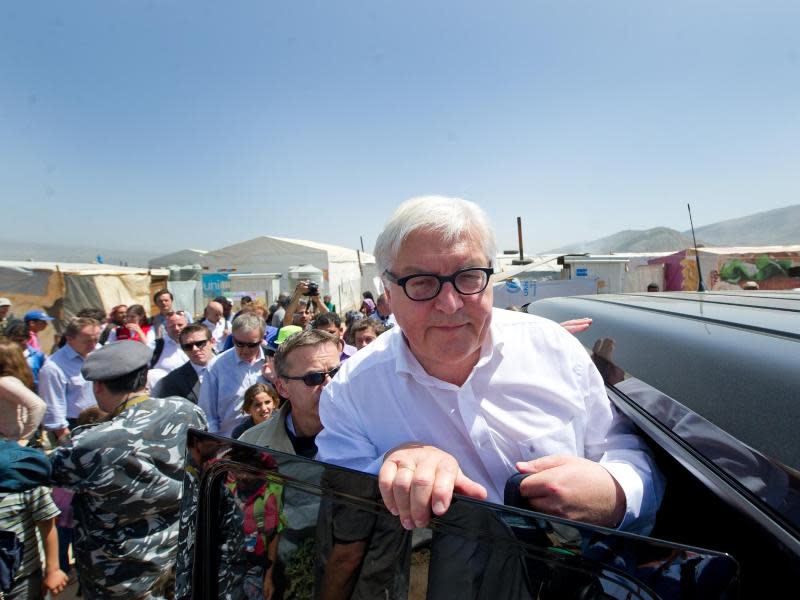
[[301, 289], [416, 480]]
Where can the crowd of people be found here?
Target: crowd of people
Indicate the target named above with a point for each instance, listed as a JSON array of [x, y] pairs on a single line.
[[426, 386]]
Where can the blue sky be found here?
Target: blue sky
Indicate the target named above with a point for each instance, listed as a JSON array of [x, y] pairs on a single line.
[[168, 124]]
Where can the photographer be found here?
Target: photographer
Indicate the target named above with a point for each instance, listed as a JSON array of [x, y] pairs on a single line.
[[305, 314]]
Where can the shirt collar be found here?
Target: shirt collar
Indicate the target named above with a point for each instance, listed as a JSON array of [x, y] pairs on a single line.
[[198, 369], [239, 360], [71, 354], [407, 363]]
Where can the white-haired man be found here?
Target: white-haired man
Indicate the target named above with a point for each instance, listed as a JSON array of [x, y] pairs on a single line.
[[234, 371], [461, 396]]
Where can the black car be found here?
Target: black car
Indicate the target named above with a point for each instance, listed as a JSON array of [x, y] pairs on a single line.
[[709, 380]]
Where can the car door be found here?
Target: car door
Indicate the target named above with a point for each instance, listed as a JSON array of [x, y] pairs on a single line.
[[255, 519]]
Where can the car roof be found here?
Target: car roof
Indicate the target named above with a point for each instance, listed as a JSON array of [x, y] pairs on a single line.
[[733, 358]]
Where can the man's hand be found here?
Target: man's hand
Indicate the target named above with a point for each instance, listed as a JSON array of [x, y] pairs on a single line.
[[604, 348], [301, 289], [416, 479], [577, 325], [54, 582], [573, 488], [136, 329]]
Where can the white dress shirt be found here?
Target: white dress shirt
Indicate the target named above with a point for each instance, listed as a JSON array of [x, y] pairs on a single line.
[[201, 371], [218, 332], [172, 356], [534, 392], [222, 392]]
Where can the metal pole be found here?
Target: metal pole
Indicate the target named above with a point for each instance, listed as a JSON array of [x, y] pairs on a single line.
[[700, 286], [519, 235]]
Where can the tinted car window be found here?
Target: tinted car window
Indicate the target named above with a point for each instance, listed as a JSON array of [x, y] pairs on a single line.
[[326, 522]]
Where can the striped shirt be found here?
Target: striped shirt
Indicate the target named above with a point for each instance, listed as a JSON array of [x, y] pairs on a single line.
[[19, 512]]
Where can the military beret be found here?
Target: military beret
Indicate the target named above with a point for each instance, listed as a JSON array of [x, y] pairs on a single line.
[[115, 360]]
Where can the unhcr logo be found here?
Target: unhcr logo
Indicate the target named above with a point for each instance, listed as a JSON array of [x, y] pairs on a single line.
[[513, 286]]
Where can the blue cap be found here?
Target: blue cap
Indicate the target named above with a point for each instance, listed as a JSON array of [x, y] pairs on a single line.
[[37, 315], [269, 337]]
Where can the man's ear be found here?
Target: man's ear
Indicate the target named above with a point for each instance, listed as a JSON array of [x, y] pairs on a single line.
[[281, 387]]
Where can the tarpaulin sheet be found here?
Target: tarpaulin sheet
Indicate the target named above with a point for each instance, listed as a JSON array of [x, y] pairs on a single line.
[[104, 292], [21, 281]]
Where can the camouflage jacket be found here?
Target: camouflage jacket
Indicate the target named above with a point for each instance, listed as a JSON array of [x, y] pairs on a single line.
[[127, 474]]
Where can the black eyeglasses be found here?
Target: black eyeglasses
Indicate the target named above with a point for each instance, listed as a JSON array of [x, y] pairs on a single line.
[[426, 286], [241, 344], [314, 379], [190, 345]]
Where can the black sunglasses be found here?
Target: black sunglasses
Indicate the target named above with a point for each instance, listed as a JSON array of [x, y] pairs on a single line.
[[314, 379], [190, 345], [240, 344]]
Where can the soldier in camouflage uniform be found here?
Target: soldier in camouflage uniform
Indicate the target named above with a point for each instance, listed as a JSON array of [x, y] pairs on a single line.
[[127, 473]]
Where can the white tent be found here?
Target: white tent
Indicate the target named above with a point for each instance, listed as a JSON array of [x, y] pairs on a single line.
[[181, 258], [345, 272]]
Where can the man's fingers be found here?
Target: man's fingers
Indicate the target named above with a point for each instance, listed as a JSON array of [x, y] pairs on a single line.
[[442, 492], [401, 488], [542, 464], [422, 486], [465, 486], [536, 486], [385, 483]]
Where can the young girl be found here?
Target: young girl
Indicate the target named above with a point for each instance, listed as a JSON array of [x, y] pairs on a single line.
[[260, 401], [136, 327]]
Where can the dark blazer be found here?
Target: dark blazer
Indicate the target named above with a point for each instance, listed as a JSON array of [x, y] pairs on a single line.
[[181, 382]]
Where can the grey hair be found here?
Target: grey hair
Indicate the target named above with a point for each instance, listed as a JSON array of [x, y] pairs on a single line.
[[452, 218], [249, 322], [309, 337]]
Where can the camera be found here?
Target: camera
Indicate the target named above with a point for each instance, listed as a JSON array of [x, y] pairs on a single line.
[[313, 289]]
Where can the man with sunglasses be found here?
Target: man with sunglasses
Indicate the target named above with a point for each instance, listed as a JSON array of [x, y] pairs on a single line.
[[461, 396], [235, 370], [185, 381], [303, 365]]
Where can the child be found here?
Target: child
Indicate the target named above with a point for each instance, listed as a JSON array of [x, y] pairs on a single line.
[[63, 497], [18, 513], [260, 401]]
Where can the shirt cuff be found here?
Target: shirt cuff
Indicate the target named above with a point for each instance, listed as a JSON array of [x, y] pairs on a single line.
[[631, 483]]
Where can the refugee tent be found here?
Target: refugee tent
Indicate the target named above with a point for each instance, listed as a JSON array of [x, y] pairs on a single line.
[[345, 272], [771, 267], [62, 289]]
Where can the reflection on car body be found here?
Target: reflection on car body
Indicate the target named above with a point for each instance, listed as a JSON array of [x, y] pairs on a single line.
[[711, 379], [476, 550]]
